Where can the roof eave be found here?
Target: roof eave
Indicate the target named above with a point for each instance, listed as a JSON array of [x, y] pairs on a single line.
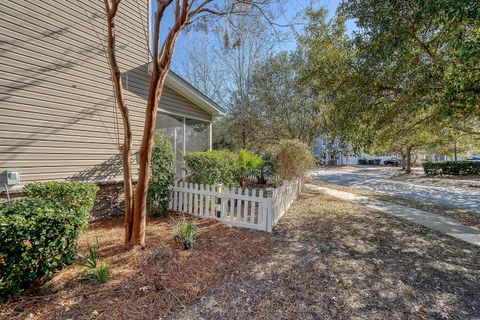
[[181, 86]]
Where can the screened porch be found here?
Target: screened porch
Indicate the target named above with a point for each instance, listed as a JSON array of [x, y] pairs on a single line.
[[186, 134]]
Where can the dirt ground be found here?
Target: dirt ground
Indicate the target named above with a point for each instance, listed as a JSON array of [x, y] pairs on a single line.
[[466, 217], [336, 260], [326, 259], [144, 284]]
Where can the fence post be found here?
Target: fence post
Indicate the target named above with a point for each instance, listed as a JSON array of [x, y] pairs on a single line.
[[269, 210]]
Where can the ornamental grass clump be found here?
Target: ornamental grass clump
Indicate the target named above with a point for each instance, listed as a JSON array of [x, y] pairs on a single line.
[[185, 232]]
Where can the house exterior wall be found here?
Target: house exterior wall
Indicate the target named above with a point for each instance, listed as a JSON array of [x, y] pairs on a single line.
[[58, 118]]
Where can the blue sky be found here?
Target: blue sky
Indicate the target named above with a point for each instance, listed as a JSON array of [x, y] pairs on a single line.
[[292, 7]]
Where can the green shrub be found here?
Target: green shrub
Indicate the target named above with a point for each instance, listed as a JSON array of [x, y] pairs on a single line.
[[162, 175], [185, 231], [38, 234], [212, 167], [78, 195], [452, 168], [292, 159], [248, 163]]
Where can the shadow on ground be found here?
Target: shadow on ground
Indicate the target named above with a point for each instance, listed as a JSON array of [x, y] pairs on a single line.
[[333, 259]]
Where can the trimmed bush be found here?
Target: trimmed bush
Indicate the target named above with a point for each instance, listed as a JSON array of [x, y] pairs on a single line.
[[292, 159], [78, 195], [212, 167], [452, 168], [162, 176], [38, 235]]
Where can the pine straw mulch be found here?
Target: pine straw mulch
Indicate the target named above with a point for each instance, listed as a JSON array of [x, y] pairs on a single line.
[[143, 284], [337, 260], [463, 216]]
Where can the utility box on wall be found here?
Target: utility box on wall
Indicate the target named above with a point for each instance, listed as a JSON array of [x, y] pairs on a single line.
[[10, 178]]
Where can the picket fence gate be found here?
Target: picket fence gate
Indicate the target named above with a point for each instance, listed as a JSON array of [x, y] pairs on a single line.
[[247, 208]]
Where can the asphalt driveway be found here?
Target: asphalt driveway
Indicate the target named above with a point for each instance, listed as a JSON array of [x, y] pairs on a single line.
[[377, 179]]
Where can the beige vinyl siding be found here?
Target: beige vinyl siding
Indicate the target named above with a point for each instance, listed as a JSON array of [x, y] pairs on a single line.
[[58, 119], [172, 102]]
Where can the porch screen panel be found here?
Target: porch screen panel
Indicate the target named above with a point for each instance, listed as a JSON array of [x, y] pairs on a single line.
[[172, 128]]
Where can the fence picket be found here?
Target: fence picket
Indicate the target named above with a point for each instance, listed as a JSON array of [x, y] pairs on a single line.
[[252, 207], [175, 196], [207, 201], [232, 203], [245, 206], [200, 204], [195, 201], [214, 202], [239, 206], [183, 206]]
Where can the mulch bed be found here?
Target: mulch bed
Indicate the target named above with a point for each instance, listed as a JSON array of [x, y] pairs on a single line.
[[143, 284], [337, 260], [327, 259], [465, 217]]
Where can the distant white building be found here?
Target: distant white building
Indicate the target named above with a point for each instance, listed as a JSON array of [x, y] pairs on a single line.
[[336, 152]]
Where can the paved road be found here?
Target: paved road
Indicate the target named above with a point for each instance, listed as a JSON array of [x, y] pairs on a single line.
[[377, 180]]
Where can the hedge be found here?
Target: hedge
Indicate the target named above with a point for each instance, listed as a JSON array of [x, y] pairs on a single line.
[[210, 167], [452, 168], [38, 234], [79, 195]]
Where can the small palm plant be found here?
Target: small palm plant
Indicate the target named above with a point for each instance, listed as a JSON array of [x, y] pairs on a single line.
[[92, 267], [247, 164], [90, 261], [185, 231]]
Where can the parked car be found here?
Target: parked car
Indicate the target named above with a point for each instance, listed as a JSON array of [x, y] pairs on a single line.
[[393, 162]]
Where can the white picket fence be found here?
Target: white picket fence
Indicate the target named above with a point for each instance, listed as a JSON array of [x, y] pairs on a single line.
[[247, 208]]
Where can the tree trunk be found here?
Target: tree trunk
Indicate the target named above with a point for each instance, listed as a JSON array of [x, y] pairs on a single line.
[[408, 168], [145, 154], [404, 156], [157, 81], [126, 148]]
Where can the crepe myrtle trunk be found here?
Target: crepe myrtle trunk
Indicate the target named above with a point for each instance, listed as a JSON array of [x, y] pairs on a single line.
[[126, 148], [145, 155]]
